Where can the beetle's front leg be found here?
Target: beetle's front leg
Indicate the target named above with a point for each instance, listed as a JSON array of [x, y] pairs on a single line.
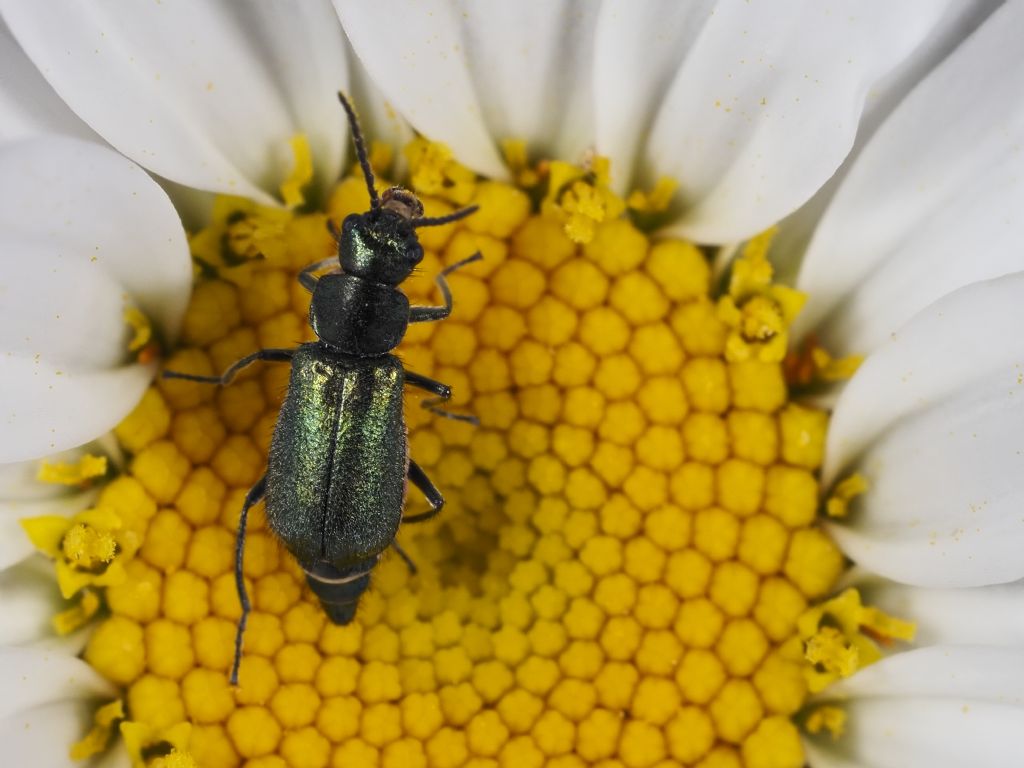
[[430, 314], [268, 355], [442, 394]]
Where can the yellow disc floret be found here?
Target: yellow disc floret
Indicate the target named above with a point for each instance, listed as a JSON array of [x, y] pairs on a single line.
[[629, 541]]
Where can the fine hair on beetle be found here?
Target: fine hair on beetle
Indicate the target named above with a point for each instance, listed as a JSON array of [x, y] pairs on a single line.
[[339, 464]]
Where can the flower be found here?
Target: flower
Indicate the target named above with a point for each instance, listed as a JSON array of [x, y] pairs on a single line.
[[633, 525]]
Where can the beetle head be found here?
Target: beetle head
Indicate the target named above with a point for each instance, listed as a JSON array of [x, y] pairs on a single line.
[[381, 244]]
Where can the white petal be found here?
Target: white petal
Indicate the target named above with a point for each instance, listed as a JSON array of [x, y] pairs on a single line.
[[938, 707], [115, 757], [932, 204], [472, 74], [83, 232], [28, 598], [991, 615], [766, 104], [934, 421], [42, 737], [379, 119], [638, 49], [205, 94], [28, 105], [924, 733], [959, 20], [32, 678]]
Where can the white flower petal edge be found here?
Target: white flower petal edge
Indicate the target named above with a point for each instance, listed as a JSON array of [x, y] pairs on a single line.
[[766, 102], [470, 74], [991, 615], [29, 599], [31, 678], [959, 20], [83, 233], [932, 204], [47, 699], [43, 736], [938, 707], [28, 105], [22, 496], [934, 420], [205, 94]]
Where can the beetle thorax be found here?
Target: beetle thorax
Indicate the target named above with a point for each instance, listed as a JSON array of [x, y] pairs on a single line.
[[357, 316]]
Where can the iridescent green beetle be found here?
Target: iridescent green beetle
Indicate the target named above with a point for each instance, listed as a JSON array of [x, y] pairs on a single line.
[[339, 461]]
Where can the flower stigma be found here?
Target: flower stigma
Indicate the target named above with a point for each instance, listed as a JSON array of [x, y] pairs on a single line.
[[629, 569]]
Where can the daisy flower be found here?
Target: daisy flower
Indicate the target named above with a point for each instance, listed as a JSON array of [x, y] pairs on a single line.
[[645, 556]]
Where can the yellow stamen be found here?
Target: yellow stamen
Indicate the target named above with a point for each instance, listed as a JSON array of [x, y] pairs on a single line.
[[86, 547], [76, 617], [158, 747], [581, 198], [812, 364], [105, 720], [79, 473], [517, 158], [827, 718], [433, 171], [655, 201], [301, 173], [758, 311], [846, 490], [839, 635], [143, 329]]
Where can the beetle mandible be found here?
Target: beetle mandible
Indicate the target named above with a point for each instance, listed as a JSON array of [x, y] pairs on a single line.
[[339, 463]]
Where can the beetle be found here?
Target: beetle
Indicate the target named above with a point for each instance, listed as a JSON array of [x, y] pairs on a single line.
[[339, 464]]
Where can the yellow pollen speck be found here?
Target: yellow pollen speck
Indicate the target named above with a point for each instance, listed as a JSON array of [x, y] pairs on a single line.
[[622, 571]]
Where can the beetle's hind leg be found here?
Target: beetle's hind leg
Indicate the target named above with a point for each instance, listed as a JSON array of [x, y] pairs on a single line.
[[429, 314], [434, 498], [252, 498], [405, 556], [442, 394], [268, 355]]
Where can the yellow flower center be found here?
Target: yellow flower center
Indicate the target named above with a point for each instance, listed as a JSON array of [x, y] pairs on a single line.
[[630, 536]]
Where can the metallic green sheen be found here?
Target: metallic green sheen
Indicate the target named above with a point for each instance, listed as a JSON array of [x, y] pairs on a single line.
[[336, 473]]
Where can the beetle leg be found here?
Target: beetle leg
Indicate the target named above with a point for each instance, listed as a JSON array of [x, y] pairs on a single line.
[[306, 278], [442, 394], [405, 556], [269, 355], [430, 314], [251, 498], [419, 478]]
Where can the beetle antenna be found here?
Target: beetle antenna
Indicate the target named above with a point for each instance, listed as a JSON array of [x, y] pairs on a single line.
[[357, 139], [439, 220]]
